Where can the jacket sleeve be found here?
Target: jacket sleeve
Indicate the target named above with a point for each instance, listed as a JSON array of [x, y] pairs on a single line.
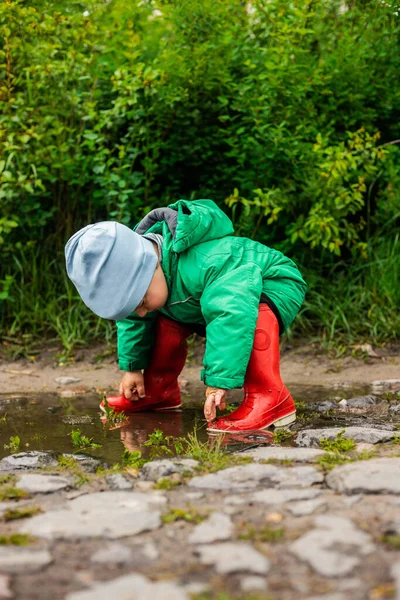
[[135, 341], [229, 304]]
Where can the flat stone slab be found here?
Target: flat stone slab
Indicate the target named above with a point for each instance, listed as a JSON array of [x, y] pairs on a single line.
[[23, 560], [87, 463], [117, 481], [132, 587], [66, 380], [305, 507], [5, 589], [371, 435], [281, 496], [156, 469], [218, 527], [395, 573], [101, 514], [247, 477], [113, 553], [44, 484], [334, 548], [362, 402], [375, 476], [6, 505], [280, 453], [233, 558], [386, 385], [28, 460], [253, 583], [322, 407]]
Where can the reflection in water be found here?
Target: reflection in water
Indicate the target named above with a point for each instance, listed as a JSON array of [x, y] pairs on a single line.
[[45, 421], [136, 428]]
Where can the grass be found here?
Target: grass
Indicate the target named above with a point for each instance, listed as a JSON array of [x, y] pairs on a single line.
[[12, 493], [360, 304], [190, 514], [211, 455], [337, 452], [14, 444], [392, 540], [282, 435], [81, 441], [165, 483], [43, 303], [9, 478], [16, 539], [133, 459], [265, 533], [339, 444], [12, 514], [69, 465]]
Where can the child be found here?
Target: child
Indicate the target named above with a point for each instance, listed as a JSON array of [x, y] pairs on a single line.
[[182, 271]]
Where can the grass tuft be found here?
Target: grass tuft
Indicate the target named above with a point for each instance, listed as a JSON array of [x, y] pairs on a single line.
[[12, 493], [16, 539], [339, 444], [266, 533], [190, 514], [12, 514]]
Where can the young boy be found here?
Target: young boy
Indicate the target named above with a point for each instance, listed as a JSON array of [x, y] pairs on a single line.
[[182, 271]]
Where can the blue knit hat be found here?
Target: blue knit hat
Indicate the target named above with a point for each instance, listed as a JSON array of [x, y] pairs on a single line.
[[111, 266]]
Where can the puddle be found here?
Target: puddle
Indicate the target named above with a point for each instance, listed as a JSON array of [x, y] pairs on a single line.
[[45, 421]]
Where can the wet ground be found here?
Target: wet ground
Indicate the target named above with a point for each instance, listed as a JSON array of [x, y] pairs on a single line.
[[45, 421], [274, 523]]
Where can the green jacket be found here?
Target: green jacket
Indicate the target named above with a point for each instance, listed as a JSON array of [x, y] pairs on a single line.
[[214, 279]]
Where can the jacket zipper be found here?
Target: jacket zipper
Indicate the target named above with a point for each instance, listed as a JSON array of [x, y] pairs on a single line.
[[183, 301]]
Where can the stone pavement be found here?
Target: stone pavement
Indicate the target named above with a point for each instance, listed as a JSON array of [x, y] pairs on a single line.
[[278, 527]]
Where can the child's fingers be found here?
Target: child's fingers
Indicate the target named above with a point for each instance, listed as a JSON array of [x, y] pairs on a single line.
[[209, 407], [219, 397], [140, 389]]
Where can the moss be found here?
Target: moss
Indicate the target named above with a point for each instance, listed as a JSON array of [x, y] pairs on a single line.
[[16, 539], [12, 493], [165, 483], [9, 478], [392, 540], [190, 514], [12, 514], [266, 533]]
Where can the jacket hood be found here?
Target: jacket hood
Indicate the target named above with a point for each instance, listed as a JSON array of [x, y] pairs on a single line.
[[189, 222]]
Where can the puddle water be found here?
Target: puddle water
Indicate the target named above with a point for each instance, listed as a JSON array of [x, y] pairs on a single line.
[[45, 421]]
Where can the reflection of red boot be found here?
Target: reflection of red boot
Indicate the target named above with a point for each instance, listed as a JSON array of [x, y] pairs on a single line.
[[266, 400], [161, 376]]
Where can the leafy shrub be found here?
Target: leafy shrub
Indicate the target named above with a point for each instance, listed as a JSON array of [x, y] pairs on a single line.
[[286, 111]]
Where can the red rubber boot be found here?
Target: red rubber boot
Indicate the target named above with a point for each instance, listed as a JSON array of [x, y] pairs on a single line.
[[266, 400], [161, 376]]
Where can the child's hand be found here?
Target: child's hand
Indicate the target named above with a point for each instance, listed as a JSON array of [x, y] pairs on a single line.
[[132, 385], [214, 397]]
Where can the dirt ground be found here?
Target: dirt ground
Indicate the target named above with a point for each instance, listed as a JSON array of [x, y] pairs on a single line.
[[97, 371]]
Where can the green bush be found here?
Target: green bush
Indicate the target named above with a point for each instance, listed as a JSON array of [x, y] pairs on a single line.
[[285, 113]]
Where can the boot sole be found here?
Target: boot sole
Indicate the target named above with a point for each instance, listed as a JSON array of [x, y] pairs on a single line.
[[149, 409], [280, 422]]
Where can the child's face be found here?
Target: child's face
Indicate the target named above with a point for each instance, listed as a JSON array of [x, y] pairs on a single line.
[[156, 295]]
